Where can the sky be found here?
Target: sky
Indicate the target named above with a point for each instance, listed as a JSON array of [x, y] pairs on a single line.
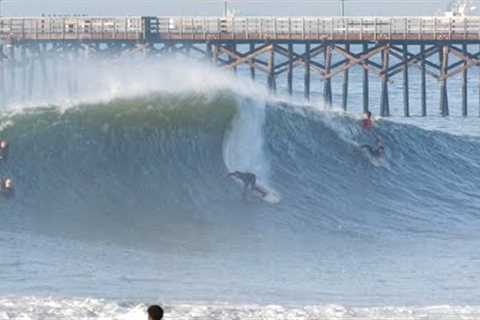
[[215, 7]]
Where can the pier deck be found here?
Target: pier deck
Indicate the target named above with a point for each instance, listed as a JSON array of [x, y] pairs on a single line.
[[156, 29]]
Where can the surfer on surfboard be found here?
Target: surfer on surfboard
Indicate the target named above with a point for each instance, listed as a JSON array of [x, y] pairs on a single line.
[[378, 151], [249, 182]]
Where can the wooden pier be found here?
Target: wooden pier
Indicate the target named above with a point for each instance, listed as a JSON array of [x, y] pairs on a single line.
[[320, 47]]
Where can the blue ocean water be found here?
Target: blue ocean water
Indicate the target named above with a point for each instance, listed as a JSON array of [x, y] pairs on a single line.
[[121, 201]]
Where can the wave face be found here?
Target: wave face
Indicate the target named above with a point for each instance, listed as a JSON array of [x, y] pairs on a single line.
[[149, 173]]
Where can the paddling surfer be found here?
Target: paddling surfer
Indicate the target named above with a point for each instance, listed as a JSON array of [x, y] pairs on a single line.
[[367, 122]]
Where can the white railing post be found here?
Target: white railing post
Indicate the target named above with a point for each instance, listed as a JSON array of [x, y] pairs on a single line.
[[361, 28], [303, 28], [290, 27], [275, 28], [181, 27], [204, 28], [332, 27], [450, 26], [420, 29]]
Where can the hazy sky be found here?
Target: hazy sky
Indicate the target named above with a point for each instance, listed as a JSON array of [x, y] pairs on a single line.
[[215, 7]]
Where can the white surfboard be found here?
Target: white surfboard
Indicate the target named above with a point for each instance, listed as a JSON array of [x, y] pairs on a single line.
[[375, 161], [270, 196]]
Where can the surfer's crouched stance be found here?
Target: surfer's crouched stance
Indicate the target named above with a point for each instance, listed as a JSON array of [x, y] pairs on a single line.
[[249, 182], [378, 151], [6, 187], [3, 149]]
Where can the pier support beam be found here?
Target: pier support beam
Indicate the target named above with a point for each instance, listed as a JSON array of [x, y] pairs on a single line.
[[406, 92], [327, 89], [290, 69], [2, 76], [464, 83], [423, 81], [443, 55], [42, 53], [365, 82], [24, 72], [209, 52], [31, 75], [54, 67], [252, 67], [384, 101], [307, 71], [215, 54], [345, 83], [12, 64], [271, 70], [233, 48]]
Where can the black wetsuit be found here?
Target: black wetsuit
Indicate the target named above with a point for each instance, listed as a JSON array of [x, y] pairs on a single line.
[[376, 152], [249, 181]]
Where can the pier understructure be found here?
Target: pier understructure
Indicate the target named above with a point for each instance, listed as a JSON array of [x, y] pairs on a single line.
[[320, 48]]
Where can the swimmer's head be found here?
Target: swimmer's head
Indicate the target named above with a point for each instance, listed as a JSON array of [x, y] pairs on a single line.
[[8, 183]]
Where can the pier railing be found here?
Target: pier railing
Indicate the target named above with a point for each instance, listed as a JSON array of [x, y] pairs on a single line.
[[241, 28]]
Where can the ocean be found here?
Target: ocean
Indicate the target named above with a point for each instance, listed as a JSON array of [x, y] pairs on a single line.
[[122, 201]]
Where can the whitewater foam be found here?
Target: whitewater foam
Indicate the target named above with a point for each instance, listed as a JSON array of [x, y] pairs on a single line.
[[77, 308]]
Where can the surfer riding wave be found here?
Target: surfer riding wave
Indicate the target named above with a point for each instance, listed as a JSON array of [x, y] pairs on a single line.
[[249, 182]]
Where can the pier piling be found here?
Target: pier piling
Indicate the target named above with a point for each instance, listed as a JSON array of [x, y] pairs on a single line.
[[345, 83], [327, 90], [384, 101], [307, 71], [290, 69], [365, 81], [406, 91], [423, 81], [464, 82]]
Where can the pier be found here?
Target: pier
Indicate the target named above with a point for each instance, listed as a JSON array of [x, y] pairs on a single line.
[[323, 48]]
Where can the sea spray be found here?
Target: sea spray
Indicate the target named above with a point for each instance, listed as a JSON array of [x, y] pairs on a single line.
[[244, 142]]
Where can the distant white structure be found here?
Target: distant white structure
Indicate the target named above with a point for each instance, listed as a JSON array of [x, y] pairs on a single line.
[[460, 8]]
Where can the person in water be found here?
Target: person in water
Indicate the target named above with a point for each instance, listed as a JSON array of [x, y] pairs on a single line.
[[378, 151], [367, 122], [3, 149], [155, 312], [249, 182], [6, 187]]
